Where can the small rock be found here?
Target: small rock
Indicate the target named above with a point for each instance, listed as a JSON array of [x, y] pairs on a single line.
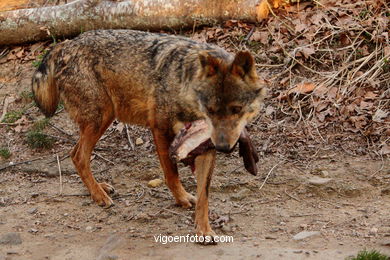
[[34, 195], [298, 251], [33, 230], [270, 237], [89, 228], [85, 203], [32, 211], [143, 217], [305, 234], [324, 174], [139, 141], [319, 181], [242, 194], [155, 183], [373, 231], [11, 239], [385, 242], [226, 228]]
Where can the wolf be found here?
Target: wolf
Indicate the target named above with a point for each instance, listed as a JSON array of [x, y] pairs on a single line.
[[157, 81]]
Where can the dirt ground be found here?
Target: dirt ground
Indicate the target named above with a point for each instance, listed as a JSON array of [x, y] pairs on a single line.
[[344, 197]]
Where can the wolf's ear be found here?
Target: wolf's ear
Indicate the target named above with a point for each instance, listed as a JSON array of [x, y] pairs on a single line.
[[244, 64], [208, 63]]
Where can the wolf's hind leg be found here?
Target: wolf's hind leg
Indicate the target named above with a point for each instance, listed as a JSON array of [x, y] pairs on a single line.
[[90, 133], [172, 180]]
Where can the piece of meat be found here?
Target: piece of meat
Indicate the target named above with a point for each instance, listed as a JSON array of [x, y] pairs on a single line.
[[248, 152], [194, 139]]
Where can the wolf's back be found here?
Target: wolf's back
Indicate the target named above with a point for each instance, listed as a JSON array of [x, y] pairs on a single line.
[[44, 87]]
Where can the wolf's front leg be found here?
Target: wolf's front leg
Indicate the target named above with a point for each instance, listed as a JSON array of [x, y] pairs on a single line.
[[204, 166], [162, 142]]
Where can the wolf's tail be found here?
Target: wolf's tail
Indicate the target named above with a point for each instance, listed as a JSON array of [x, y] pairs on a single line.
[[44, 87]]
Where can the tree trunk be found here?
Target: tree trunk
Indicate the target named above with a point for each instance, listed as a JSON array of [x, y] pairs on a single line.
[[27, 25]]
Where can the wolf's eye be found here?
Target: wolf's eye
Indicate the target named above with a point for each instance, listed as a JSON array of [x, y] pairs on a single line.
[[236, 109], [211, 110]]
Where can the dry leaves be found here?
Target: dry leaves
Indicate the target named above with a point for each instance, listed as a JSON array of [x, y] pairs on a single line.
[[303, 88]]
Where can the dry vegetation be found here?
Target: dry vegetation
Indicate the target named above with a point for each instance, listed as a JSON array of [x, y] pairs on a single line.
[[328, 68]]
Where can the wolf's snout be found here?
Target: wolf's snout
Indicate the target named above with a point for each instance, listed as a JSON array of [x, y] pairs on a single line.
[[225, 148]]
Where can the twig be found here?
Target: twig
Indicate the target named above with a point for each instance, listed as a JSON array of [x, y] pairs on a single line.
[[380, 169], [291, 196], [105, 159], [5, 106], [60, 172], [59, 129], [18, 163], [235, 169], [249, 34], [76, 195], [259, 201], [140, 194], [177, 213], [269, 173], [129, 139], [61, 159]]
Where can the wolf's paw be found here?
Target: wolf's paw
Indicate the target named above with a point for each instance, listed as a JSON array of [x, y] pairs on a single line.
[[186, 201], [107, 188], [100, 195], [208, 236]]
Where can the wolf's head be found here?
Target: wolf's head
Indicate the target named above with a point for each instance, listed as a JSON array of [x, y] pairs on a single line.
[[229, 93]]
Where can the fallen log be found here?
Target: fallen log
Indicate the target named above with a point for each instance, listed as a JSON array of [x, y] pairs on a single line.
[[36, 24]]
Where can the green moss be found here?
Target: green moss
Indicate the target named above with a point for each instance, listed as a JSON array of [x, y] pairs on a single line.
[[5, 153], [40, 124], [37, 139], [12, 116]]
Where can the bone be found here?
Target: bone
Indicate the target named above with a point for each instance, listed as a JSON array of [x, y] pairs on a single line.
[[188, 139]]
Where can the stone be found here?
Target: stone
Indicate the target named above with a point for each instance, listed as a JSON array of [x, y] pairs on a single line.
[[32, 211], [11, 239], [155, 183], [305, 234], [319, 181], [242, 194], [139, 141]]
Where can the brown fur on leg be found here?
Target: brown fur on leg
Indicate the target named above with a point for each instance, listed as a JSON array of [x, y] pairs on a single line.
[[204, 166], [162, 142], [81, 155]]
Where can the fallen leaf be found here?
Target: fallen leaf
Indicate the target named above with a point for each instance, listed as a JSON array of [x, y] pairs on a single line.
[[303, 88], [269, 110], [277, 3], [379, 115], [386, 50], [370, 95], [119, 127], [299, 27], [385, 149], [260, 37], [366, 105], [307, 51]]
